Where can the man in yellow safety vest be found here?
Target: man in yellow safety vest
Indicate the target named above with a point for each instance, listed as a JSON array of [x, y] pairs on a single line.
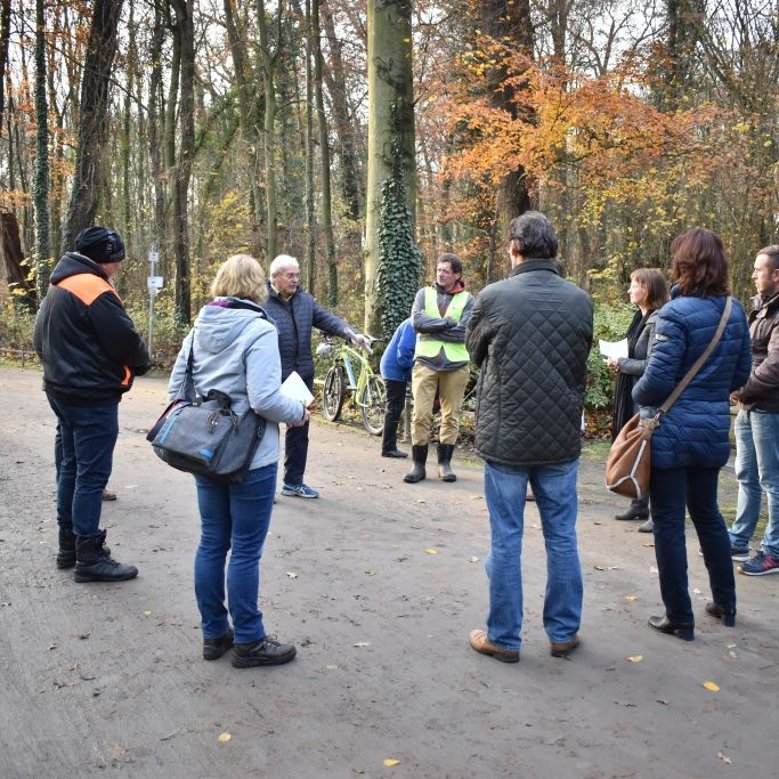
[[441, 365]]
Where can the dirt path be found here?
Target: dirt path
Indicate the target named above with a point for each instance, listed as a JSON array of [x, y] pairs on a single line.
[[378, 583]]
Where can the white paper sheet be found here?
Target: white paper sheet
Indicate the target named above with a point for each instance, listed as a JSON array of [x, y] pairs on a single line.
[[613, 349], [294, 387]]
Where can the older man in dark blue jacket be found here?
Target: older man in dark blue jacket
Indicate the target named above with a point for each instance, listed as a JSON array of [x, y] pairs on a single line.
[[296, 313]]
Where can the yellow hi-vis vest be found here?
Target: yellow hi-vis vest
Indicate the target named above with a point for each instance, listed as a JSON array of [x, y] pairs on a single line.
[[427, 344]]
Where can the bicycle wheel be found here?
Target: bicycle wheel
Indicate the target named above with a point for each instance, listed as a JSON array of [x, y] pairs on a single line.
[[373, 404], [334, 393]]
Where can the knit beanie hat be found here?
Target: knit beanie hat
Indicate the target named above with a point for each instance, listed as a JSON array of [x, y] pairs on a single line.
[[101, 244]]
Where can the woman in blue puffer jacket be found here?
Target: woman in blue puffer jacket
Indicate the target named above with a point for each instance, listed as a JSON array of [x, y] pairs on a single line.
[[691, 444]]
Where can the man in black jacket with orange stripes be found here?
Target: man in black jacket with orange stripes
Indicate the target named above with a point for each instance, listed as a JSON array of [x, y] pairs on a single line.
[[90, 352]]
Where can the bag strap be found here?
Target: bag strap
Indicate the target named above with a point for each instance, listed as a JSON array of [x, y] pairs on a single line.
[[690, 375]]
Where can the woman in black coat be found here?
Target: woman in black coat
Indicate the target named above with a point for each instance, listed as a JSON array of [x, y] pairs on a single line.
[[648, 291]]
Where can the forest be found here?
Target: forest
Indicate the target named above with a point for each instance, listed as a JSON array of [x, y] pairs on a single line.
[[365, 137]]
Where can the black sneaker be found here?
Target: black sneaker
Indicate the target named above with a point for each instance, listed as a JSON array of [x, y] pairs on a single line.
[[214, 648], [266, 651]]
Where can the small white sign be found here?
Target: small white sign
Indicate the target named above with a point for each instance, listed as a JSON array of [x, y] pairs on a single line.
[[154, 283], [154, 255]]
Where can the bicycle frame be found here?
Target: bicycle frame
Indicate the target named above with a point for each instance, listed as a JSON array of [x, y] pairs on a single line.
[[356, 383], [351, 379]]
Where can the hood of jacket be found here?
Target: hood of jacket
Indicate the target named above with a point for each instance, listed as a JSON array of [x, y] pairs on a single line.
[[222, 322], [73, 263]]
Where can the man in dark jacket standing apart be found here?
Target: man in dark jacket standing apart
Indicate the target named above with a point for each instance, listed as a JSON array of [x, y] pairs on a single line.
[[531, 335], [295, 313], [90, 352], [757, 425]]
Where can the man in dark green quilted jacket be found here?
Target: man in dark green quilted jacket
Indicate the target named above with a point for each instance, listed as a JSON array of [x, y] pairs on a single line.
[[531, 334]]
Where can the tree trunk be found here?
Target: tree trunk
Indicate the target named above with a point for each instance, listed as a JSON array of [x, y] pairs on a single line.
[[92, 125], [310, 213], [5, 36], [13, 257], [41, 194], [390, 113], [156, 112], [237, 46], [324, 151], [268, 67], [508, 22], [185, 29], [351, 183]]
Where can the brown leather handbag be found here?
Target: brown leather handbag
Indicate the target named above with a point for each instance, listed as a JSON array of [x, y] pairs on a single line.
[[628, 466]]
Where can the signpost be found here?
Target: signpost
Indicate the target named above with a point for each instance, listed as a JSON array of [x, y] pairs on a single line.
[[154, 285]]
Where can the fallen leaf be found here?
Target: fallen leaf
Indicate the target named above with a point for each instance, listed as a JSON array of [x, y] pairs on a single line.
[[431, 551], [635, 658], [696, 591], [331, 668], [390, 761], [52, 647], [724, 758], [652, 569], [370, 573], [663, 701], [711, 686], [361, 644], [473, 559], [421, 500], [292, 575], [630, 598], [224, 737], [147, 613]]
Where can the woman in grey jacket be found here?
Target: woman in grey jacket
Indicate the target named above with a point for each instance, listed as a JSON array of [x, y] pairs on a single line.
[[648, 291], [235, 350]]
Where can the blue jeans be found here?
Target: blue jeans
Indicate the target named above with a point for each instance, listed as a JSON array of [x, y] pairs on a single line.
[[554, 487], [757, 471], [670, 490], [234, 518], [85, 448]]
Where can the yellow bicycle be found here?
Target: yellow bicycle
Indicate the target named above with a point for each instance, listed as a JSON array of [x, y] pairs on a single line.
[[365, 389]]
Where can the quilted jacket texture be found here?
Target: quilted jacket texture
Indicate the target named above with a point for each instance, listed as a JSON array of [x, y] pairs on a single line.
[[295, 319], [695, 431], [531, 335]]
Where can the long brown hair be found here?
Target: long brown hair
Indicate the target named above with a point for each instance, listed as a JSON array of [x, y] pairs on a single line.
[[653, 281], [700, 264]]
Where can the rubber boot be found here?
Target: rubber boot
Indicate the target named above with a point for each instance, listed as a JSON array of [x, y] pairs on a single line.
[[389, 441], [445, 472], [419, 453], [95, 564], [639, 509], [66, 557]]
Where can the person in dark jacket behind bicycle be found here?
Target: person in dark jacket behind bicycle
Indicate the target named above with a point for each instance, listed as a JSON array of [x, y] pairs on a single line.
[[90, 352], [295, 313], [395, 366]]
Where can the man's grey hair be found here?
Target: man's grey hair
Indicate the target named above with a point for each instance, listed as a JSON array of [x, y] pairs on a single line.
[[282, 262], [534, 235]]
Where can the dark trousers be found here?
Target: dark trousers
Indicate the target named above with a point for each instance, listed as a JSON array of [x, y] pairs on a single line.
[[696, 488], [84, 450], [396, 399], [296, 448]]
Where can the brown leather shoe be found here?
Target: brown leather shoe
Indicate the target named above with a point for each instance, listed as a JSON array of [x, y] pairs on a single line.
[[108, 495], [564, 648], [479, 641]]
